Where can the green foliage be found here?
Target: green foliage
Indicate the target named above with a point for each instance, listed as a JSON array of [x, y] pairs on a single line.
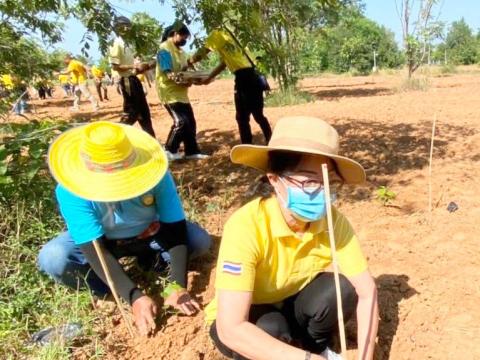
[[461, 44], [25, 17], [349, 45], [29, 301], [385, 195], [272, 28], [22, 158], [147, 34], [35, 60], [104, 64], [287, 97]]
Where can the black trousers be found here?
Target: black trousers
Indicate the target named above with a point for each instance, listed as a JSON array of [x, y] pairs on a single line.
[[308, 318], [99, 86], [184, 129], [135, 106], [249, 101]]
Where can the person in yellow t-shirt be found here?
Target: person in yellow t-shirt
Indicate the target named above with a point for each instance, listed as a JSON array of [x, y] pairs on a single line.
[[171, 59], [7, 81], [248, 90], [79, 75], [65, 85], [98, 77], [273, 288]]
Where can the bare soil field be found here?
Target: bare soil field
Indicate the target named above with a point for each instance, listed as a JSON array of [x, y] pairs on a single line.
[[426, 265]]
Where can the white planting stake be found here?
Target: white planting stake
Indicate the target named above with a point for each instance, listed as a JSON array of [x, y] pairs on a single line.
[[331, 236]]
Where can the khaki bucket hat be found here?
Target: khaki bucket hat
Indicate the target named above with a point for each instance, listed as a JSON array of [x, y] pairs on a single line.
[[300, 134]]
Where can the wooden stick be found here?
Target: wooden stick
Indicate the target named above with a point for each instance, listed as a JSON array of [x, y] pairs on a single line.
[[331, 236], [430, 167], [111, 285]]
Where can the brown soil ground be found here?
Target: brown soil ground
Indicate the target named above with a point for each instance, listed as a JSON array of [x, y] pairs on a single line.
[[426, 264]]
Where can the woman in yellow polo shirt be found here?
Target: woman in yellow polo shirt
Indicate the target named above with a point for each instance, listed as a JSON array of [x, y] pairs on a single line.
[[274, 297]]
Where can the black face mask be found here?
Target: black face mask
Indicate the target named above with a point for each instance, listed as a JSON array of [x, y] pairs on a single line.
[[182, 42]]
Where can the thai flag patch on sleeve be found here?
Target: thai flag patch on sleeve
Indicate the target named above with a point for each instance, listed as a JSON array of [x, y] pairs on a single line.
[[232, 268]]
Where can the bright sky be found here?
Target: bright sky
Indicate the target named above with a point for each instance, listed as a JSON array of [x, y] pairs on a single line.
[[382, 11]]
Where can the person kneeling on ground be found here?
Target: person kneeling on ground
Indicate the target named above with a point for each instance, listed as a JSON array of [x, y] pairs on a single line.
[[114, 187], [274, 298]]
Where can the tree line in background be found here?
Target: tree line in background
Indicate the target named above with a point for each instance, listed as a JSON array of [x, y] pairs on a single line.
[[291, 37]]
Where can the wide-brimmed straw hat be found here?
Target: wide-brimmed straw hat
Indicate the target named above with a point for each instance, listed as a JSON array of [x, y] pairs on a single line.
[[300, 134], [105, 161]]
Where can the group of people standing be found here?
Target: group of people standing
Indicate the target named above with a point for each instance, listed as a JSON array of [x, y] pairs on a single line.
[[275, 296], [172, 59]]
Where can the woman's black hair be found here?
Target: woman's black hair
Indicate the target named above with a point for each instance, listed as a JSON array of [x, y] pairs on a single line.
[[177, 27], [167, 33], [181, 28], [280, 161]]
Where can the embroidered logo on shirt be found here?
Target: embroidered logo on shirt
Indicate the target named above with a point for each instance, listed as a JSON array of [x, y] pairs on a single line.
[[232, 268], [148, 200]]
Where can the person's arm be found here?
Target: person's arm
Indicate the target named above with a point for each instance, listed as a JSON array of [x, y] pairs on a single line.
[[367, 314], [201, 54], [63, 72], [124, 67], [143, 307], [145, 66], [125, 287], [243, 337], [165, 63], [173, 238], [220, 67]]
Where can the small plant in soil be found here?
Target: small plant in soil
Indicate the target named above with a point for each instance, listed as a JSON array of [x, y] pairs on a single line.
[[385, 195]]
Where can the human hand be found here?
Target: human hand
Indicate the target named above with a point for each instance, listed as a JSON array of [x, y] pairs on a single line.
[[182, 301], [144, 312]]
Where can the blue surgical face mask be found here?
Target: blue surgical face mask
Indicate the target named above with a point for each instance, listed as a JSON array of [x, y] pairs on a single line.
[[305, 207]]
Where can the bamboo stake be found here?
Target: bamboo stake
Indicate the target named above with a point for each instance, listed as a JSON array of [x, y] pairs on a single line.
[[430, 167], [111, 285], [331, 236]]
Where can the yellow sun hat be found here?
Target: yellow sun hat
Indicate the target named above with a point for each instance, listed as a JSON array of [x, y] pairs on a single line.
[[105, 161]]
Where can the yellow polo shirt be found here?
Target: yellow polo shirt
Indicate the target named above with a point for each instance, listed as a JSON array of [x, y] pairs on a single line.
[[228, 49], [7, 81], [63, 79], [77, 71], [121, 54], [168, 91], [97, 73], [261, 254]]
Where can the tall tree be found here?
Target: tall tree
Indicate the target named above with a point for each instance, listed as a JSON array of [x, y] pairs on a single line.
[[350, 44], [271, 27], [461, 43], [420, 26]]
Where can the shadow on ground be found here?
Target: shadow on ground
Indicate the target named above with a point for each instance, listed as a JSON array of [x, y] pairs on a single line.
[[383, 149], [341, 92], [392, 289]]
